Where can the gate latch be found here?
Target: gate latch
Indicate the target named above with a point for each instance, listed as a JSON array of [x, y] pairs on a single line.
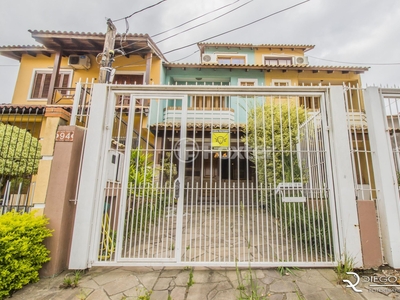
[[176, 188]]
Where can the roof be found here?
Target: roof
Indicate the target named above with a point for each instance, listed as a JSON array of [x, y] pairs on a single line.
[[81, 43], [199, 125], [252, 46], [343, 69]]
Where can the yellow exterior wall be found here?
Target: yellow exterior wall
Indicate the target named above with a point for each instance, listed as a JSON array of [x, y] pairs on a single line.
[[258, 59], [29, 63]]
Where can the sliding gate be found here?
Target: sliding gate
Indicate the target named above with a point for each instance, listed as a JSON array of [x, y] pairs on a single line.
[[218, 178]]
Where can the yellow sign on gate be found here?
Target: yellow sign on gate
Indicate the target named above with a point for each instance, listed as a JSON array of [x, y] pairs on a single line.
[[220, 139]]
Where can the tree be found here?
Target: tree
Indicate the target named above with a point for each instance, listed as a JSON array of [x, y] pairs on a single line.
[[19, 153], [272, 134]]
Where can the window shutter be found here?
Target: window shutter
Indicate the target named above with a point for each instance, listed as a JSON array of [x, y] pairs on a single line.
[[46, 85], [36, 85]]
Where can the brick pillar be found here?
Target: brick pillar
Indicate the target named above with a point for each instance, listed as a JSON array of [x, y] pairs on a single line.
[[60, 205]]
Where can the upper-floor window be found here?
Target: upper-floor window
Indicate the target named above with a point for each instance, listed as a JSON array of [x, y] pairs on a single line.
[[208, 102], [278, 60], [231, 59], [41, 82], [279, 82], [247, 82]]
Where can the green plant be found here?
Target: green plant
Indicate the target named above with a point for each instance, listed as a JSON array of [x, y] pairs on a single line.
[[145, 296], [148, 200], [299, 295], [287, 270], [248, 287], [344, 266], [71, 280], [190, 281], [82, 295], [22, 252]]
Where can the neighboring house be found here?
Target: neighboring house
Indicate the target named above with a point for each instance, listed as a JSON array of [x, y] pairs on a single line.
[[45, 87]]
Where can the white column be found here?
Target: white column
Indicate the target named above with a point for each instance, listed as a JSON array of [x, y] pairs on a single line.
[[90, 176], [385, 176], [346, 206]]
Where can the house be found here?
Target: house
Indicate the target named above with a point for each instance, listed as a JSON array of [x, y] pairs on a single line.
[[241, 65], [223, 153]]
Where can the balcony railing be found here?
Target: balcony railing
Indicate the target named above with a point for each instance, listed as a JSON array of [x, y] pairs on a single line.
[[206, 115]]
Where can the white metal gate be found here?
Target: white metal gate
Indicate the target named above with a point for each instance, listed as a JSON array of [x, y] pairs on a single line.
[[207, 175]]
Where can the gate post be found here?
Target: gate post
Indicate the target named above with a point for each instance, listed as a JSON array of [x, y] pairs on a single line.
[[385, 176], [87, 203], [345, 198]]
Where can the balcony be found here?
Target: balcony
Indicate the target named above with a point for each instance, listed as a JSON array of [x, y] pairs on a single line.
[[206, 115]]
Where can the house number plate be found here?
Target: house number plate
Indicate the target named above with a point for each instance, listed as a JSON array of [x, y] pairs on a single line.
[[64, 136]]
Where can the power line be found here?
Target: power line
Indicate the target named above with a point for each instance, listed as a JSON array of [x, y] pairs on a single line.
[[240, 27], [353, 63], [194, 19], [204, 23], [185, 56], [138, 11], [122, 47]]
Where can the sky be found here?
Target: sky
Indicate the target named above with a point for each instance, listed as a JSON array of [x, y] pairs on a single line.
[[344, 32]]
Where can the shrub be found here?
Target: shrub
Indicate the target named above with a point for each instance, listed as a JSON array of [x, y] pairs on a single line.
[[22, 252]]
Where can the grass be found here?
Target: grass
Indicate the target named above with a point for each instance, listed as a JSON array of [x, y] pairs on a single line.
[[190, 281], [71, 281], [248, 287], [344, 266], [287, 270]]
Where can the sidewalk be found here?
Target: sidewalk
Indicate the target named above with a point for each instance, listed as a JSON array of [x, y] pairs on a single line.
[[128, 283]]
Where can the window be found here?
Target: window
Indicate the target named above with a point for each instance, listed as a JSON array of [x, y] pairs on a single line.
[[277, 82], [310, 103], [278, 60], [208, 102], [247, 82], [231, 60], [41, 83]]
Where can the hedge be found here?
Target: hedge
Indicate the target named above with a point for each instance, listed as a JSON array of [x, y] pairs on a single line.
[[22, 252]]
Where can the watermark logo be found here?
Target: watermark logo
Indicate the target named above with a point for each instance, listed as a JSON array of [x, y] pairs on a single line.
[[353, 285], [186, 150], [382, 284]]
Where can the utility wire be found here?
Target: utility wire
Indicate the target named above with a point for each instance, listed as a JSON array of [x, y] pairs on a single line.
[[138, 11], [187, 22], [201, 24], [352, 63], [185, 56], [121, 48], [240, 27]]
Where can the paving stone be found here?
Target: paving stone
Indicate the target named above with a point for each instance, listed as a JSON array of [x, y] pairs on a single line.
[[121, 285], [317, 296], [110, 276], [313, 277], [91, 284], [182, 279], [329, 274], [342, 294], [276, 297], [178, 293], [148, 279], [98, 295], [369, 295], [162, 284], [159, 295], [207, 276], [267, 280], [281, 286], [200, 291], [170, 273], [292, 296], [306, 288], [224, 295], [271, 273], [136, 291]]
